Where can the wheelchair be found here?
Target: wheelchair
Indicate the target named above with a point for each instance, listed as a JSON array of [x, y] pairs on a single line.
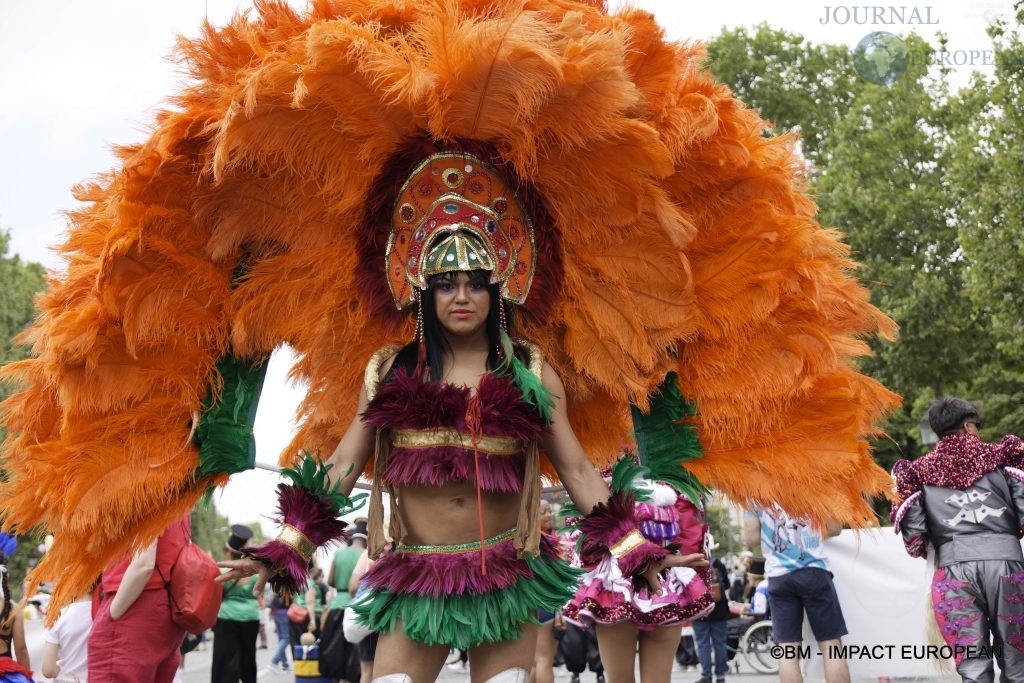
[[751, 637]]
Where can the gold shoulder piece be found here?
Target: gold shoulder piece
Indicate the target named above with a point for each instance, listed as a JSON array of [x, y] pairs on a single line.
[[536, 358], [371, 378]]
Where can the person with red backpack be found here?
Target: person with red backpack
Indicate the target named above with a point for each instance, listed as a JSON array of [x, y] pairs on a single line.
[[134, 637]]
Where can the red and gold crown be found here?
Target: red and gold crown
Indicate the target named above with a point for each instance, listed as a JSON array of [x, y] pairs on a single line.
[[456, 212]]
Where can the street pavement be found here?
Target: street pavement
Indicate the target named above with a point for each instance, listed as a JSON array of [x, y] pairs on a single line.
[[196, 667], [197, 670]]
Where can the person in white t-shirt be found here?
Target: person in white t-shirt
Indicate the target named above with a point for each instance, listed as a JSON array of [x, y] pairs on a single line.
[[799, 581], [65, 653]]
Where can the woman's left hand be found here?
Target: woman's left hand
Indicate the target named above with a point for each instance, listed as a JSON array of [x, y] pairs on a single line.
[[243, 569], [693, 561]]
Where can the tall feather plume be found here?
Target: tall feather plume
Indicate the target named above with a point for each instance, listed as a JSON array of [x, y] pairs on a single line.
[[672, 236]]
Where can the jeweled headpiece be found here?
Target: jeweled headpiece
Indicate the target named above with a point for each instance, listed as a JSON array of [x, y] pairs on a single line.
[[454, 213]]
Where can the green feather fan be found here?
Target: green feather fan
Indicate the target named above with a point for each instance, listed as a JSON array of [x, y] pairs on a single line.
[[224, 434], [665, 443]]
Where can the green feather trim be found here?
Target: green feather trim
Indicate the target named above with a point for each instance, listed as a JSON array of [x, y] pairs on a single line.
[[311, 474], [465, 621], [665, 443], [224, 434], [530, 385]]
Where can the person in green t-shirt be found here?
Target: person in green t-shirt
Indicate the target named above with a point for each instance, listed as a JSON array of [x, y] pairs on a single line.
[[238, 622], [343, 563]]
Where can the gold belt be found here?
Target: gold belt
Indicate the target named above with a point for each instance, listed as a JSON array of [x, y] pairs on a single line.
[[440, 437]]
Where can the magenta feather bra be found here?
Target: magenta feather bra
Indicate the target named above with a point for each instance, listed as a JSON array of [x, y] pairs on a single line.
[[431, 444]]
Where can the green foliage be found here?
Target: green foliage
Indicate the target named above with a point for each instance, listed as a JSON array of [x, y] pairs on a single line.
[[210, 529], [728, 536], [929, 188], [792, 82], [987, 175], [20, 282]]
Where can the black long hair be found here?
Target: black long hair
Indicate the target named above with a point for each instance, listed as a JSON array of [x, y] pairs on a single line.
[[4, 570], [434, 339]]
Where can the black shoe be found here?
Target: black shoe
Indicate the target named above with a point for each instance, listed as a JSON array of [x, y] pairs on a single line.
[[703, 679], [600, 678], [575, 678]]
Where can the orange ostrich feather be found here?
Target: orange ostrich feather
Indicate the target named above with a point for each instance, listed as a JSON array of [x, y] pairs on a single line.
[[685, 242]]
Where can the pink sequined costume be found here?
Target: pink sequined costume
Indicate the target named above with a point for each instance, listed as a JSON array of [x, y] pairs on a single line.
[[606, 596]]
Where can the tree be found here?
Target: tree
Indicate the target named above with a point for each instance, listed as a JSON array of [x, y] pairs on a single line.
[[988, 176], [880, 170], [20, 282], [792, 82]]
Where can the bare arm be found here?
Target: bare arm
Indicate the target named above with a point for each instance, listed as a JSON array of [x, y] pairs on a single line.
[[582, 482], [349, 459], [20, 648], [49, 665], [833, 529], [354, 449], [134, 581], [752, 533], [362, 566]]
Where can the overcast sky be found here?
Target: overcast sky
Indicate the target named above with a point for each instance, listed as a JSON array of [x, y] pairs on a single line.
[[76, 77]]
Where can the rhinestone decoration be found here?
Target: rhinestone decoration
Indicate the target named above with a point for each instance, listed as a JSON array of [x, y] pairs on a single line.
[[451, 209], [520, 267], [398, 271], [425, 188], [469, 168], [476, 187], [420, 235], [502, 252], [452, 177], [500, 205], [451, 257], [475, 219], [491, 226], [407, 213]]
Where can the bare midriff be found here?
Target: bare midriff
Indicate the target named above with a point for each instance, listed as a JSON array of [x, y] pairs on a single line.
[[447, 515]]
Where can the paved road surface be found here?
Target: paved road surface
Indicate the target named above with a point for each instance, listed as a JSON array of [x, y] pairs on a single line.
[[197, 666]]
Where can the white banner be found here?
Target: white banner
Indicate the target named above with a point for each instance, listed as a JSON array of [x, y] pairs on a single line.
[[884, 595]]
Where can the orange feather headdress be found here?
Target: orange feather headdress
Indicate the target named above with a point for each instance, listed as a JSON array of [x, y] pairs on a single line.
[[670, 235]]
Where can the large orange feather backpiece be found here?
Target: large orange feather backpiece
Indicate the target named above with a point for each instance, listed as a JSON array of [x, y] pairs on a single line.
[[682, 238]]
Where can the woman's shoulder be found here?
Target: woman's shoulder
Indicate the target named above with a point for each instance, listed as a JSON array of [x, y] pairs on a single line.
[[378, 366]]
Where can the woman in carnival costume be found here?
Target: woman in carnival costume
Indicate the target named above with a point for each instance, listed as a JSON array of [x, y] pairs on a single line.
[[631, 618], [650, 239]]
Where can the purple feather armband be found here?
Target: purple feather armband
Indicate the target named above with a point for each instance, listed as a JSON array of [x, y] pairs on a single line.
[[309, 511], [611, 529]]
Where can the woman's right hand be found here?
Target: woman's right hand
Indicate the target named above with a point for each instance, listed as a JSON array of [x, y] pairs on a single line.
[[243, 569], [693, 561]]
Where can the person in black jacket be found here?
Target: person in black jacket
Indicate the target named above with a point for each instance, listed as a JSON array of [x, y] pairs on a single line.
[[710, 631]]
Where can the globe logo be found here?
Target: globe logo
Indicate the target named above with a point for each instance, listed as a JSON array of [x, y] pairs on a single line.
[[880, 58]]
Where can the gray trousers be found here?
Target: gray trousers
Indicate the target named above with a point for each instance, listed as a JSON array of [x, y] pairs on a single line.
[[977, 600]]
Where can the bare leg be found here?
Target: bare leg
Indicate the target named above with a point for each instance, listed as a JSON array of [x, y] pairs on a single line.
[[365, 672], [398, 654], [493, 658], [836, 670], [789, 664], [544, 660], [658, 654], [617, 643]]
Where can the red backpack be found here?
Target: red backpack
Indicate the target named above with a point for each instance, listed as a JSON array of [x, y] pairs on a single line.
[[194, 591]]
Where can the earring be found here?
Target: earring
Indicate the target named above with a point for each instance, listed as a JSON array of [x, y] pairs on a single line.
[[502, 320], [421, 349]]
